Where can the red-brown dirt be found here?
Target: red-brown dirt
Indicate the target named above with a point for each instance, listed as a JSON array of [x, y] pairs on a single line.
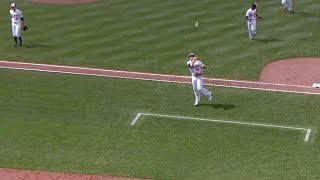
[[63, 1], [258, 85], [16, 174], [297, 71]]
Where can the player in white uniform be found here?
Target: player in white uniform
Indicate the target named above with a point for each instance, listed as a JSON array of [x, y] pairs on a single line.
[[17, 22], [251, 17], [196, 68], [287, 4]]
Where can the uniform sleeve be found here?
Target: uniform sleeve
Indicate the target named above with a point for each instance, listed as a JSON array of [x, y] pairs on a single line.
[[21, 15], [188, 63], [247, 13], [201, 64]]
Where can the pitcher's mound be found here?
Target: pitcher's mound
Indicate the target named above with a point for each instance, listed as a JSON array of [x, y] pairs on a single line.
[[296, 71], [63, 1]]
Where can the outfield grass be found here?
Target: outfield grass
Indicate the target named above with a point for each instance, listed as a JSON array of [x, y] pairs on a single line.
[[82, 124], [153, 36]]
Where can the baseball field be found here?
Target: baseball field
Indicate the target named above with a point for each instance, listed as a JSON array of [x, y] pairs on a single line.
[[149, 129]]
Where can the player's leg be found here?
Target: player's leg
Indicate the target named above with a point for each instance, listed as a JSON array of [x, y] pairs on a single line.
[[284, 4], [203, 90], [14, 27], [195, 90], [249, 29], [18, 34], [289, 3], [254, 28]]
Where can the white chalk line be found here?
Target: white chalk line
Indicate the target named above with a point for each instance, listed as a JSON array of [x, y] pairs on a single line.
[[150, 74], [148, 79], [306, 138]]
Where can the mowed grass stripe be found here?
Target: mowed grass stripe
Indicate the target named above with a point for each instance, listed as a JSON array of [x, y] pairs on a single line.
[[140, 30]]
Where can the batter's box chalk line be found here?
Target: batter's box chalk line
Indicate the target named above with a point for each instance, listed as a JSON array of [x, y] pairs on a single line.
[[306, 137]]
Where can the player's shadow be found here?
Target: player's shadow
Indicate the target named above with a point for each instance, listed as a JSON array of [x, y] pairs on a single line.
[[266, 40], [302, 13], [36, 46], [221, 106]]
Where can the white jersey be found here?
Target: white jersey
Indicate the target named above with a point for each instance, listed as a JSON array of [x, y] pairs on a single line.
[[16, 16], [251, 14], [285, 1], [196, 68]]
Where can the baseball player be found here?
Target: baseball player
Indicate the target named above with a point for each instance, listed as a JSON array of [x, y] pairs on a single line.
[[251, 16], [287, 4], [17, 23], [196, 68]]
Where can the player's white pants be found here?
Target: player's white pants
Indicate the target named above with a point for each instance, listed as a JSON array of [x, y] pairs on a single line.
[[252, 28], [16, 28], [197, 84], [287, 4]]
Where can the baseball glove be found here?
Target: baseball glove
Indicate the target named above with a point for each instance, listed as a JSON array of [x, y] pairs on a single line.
[[25, 28]]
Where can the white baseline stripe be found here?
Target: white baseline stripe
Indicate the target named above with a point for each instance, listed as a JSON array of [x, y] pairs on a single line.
[[89, 74], [264, 89], [136, 119], [308, 131], [152, 74], [113, 76]]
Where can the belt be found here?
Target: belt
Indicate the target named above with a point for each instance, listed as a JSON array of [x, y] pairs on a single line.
[[196, 74]]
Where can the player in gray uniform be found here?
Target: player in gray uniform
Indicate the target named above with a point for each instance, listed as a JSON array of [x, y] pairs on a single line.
[[17, 23], [196, 68]]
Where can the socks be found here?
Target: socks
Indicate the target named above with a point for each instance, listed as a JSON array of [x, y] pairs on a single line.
[[20, 39], [16, 41]]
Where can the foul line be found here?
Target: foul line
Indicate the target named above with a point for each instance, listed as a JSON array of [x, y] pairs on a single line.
[[63, 70], [306, 138]]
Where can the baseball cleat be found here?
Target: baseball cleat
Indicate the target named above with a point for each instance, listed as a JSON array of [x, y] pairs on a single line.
[[210, 98], [196, 103], [15, 45]]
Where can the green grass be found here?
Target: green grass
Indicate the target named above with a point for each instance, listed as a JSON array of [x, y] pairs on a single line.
[[82, 124], [153, 36]]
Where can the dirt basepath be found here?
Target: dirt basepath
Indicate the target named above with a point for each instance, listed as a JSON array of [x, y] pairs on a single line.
[[159, 77], [15, 174]]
